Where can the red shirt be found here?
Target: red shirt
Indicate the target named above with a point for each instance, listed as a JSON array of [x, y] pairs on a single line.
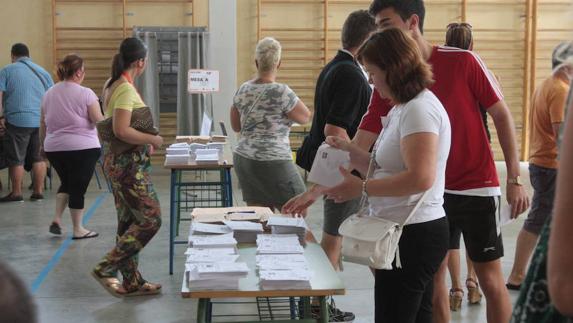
[[462, 84]]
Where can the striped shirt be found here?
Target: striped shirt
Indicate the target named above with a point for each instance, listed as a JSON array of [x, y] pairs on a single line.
[[22, 92]]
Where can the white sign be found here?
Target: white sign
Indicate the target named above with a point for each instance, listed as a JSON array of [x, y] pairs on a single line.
[[202, 81]]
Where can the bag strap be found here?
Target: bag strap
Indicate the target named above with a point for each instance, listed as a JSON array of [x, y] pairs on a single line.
[[246, 114], [370, 173], [46, 87]]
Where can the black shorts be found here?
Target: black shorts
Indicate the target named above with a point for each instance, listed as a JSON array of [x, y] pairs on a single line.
[[477, 218], [543, 182], [22, 145]]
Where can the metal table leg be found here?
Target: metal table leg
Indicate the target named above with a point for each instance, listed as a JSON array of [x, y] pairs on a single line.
[[172, 215], [202, 311], [323, 310]]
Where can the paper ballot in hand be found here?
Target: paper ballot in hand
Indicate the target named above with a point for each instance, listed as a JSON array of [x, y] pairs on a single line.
[[325, 168]]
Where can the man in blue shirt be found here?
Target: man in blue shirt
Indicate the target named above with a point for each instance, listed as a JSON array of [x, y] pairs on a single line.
[[22, 86]]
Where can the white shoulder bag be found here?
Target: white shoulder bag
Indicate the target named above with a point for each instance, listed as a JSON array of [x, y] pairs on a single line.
[[370, 240]]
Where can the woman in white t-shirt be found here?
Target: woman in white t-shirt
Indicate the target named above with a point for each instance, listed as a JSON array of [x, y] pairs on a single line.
[[410, 158]]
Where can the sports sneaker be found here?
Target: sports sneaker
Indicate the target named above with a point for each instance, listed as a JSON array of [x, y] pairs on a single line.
[[11, 198], [36, 197], [334, 314]]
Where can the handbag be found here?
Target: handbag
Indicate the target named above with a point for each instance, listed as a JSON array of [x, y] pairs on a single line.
[[141, 120], [370, 240]]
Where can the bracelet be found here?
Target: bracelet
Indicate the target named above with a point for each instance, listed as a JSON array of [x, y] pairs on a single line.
[[364, 183]]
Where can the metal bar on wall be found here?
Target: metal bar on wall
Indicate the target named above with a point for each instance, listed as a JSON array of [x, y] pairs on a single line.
[[123, 17], [54, 37], [526, 81], [464, 9], [259, 3], [192, 12], [325, 22]]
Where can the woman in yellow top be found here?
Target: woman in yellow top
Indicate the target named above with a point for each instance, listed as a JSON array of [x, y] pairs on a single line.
[[138, 212]]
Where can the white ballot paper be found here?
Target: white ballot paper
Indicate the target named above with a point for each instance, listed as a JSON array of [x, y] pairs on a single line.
[[505, 214], [325, 168], [210, 251], [213, 241], [201, 258], [209, 228], [206, 155], [244, 226]]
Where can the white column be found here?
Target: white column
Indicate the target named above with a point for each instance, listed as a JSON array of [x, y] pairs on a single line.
[[223, 57]]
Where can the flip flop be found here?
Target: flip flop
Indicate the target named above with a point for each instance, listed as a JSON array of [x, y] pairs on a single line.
[[88, 235], [144, 290], [55, 228], [111, 284]]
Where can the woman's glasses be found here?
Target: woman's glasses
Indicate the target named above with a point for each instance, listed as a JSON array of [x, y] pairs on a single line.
[[459, 24]]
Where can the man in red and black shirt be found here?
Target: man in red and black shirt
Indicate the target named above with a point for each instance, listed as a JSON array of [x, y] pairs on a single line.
[[472, 187]]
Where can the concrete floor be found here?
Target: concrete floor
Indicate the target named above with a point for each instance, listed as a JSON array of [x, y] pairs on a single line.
[[57, 268]]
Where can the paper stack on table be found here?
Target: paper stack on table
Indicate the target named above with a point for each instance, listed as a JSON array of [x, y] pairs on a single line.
[[285, 279], [288, 225], [278, 244], [208, 228], [281, 262], [177, 153], [215, 276], [207, 155], [213, 241], [245, 231], [201, 255]]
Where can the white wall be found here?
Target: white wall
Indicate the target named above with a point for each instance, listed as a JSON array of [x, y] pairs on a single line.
[[223, 57]]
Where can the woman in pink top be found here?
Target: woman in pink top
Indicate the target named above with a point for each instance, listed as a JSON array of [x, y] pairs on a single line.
[[69, 137]]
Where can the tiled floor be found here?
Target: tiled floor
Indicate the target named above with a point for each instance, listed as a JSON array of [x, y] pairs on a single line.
[[67, 293]]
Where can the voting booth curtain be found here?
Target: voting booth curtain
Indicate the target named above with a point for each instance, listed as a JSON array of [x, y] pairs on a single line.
[[148, 83], [193, 47], [172, 52]]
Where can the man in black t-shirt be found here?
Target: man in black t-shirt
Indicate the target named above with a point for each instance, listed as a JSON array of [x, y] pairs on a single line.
[[341, 98]]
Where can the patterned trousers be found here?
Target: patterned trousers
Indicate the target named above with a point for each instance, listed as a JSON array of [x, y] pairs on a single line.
[[138, 214]]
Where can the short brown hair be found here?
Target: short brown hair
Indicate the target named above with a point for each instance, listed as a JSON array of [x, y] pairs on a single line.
[[356, 29], [69, 66], [396, 53], [459, 35]]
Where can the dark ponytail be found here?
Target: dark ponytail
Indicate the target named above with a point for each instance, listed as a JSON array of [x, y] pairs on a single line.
[[69, 66], [131, 50]]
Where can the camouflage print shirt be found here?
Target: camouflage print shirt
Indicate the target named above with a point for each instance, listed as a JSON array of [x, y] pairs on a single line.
[[265, 126]]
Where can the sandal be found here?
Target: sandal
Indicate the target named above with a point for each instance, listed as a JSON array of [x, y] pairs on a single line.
[[474, 295], [456, 296], [111, 284], [145, 290]]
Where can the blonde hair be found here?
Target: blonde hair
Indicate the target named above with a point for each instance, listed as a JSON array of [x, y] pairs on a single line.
[[268, 54]]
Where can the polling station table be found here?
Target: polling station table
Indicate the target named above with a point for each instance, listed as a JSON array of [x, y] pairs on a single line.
[[184, 194], [324, 282]]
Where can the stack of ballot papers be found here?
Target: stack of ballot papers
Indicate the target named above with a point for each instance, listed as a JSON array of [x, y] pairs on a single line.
[[213, 241], [194, 146], [288, 225], [278, 244], [285, 279], [245, 231], [208, 228], [216, 145], [202, 255], [207, 155], [215, 276], [282, 271], [177, 153]]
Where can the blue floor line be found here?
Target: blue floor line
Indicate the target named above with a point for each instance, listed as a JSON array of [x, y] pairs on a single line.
[[65, 245]]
